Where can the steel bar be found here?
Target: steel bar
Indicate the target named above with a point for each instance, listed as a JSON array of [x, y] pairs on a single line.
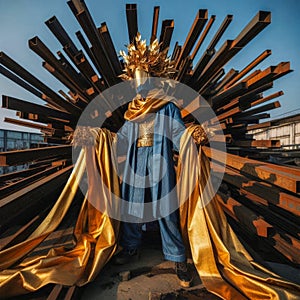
[[166, 34], [197, 26], [20, 82], [229, 94], [18, 175], [67, 75], [11, 188], [258, 143], [230, 74], [253, 28], [64, 80], [258, 23], [78, 79], [218, 35], [251, 119], [262, 170], [89, 53], [27, 124], [63, 37], [261, 100], [154, 23], [28, 107], [203, 36], [20, 234], [50, 96], [84, 18], [263, 108], [28, 199], [176, 52], [132, 23], [84, 66], [210, 51], [257, 225], [18, 157], [110, 48], [267, 193], [249, 67]]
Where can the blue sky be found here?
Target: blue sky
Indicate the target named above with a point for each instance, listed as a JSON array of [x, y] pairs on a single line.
[[21, 20]]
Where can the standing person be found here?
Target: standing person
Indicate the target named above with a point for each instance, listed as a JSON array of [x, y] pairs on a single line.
[[148, 138]]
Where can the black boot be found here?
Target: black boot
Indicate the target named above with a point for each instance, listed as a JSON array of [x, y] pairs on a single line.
[[183, 274], [126, 256]]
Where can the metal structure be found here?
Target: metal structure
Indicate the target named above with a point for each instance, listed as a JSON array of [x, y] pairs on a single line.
[[261, 196]]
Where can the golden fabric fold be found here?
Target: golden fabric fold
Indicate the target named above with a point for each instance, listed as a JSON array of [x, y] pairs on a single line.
[[223, 264], [95, 233], [225, 267], [139, 107]]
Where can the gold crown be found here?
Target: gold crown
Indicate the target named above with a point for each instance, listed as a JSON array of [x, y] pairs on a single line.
[[149, 58]]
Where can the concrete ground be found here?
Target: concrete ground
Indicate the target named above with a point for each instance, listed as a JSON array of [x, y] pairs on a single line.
[[148, 277]]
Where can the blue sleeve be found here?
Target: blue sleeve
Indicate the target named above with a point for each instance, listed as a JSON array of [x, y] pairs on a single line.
[[178, 127], [122, 139]]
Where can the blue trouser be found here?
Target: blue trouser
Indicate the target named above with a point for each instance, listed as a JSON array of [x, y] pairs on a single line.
[[172, 243]]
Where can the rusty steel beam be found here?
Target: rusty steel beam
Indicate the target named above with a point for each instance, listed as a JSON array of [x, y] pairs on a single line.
[[110, 48], [253, 28], [78, 79], [249, 67], [279, 176], [27, 124], [14, 187], [167, 29], [230, 74], [260, 21], [21, 234], [59, 32], [266, 193], [218, 35], [28, 199], [20, 82], [186, 65], [203, 36], [87, 70], [176, 52], [231, 93], [18, 157], [28, 107], [210, 51], [64, 80], [263, 108], [269, 74], [245, 216], [260, 100], [259, 126], [258, 143], [18, 175], [132, 23], [49, 95], [86, 22], [62, 70], [217, 62], [195, 30], [154, 23], [255, 223], [90, 54], [252, 119]]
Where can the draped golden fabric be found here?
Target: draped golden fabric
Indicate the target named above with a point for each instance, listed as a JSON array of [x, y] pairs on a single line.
[[225, 267], [95, 232], [139, 107], [223, 264]]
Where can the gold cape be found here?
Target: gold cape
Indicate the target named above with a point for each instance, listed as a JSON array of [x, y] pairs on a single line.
[[224, 266]]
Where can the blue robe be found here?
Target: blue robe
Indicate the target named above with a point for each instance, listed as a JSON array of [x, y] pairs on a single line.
[[152, 166]]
